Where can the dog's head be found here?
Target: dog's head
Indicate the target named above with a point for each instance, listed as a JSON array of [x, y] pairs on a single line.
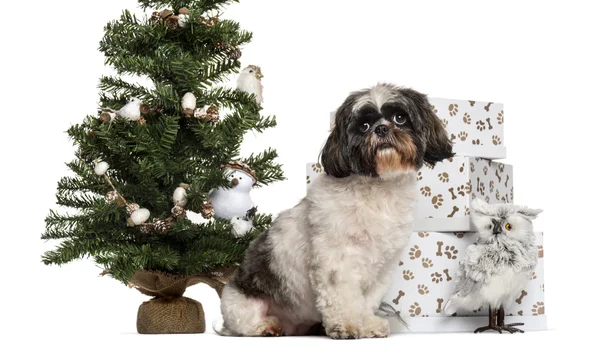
[[384, 129]]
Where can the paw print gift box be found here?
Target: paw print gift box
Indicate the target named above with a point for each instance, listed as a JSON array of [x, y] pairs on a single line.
[[446, 191], [424, 280]]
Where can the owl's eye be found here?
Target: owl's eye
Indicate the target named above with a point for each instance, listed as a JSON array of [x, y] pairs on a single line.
[[365, 127], [399, 119], [508, 226]]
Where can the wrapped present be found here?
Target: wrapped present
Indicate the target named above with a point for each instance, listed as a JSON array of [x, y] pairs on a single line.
[[476, 128], [424, 281], [446, 191]]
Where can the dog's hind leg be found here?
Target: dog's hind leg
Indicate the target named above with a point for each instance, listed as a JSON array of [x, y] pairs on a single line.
[[247, 316]]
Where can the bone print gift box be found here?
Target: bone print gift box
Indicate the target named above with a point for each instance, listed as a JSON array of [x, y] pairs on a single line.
[[446, 191], [424, 281], [476, 128]]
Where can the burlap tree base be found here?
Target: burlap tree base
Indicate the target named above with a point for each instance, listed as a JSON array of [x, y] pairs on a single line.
[[169, 311], [169, 316]]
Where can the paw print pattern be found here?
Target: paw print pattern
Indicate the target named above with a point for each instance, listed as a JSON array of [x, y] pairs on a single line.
[[533, 276], [317, 167], [444, 122], [437, 201], [422, 289], [426, 191], [307, 179], [423, 234], [452, 109], [436, 277], [480, 125], [501, 117], [414, 310], [476, 142], [467, 118], [462, 168], [491, 185], [472, 103], [496, 140], [485, 170], [459, 234], [419, 176], [444, 177], [427, 263], [538, 309], [408, 275], [415, 252], [452, 137], [463, 136], [540, 251], [434, 109], [467, 211], [451, 252]]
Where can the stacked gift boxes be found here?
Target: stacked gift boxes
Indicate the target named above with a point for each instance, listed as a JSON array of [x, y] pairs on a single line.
[[423, 280]]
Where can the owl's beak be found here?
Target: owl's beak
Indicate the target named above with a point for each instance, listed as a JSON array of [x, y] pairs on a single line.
[[497, 227]]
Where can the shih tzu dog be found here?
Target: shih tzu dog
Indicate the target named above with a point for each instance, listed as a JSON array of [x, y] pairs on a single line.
[[328, 261]]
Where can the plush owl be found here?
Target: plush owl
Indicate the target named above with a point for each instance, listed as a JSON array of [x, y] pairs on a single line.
[[249, 81], [498, 265]]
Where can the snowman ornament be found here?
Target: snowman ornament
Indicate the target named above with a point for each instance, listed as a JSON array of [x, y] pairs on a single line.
[[234, 200]]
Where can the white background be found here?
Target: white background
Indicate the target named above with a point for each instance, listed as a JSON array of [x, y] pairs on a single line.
[[539, 58]]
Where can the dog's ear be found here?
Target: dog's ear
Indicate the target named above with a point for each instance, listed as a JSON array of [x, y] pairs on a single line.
[[438, 146], [332, 157]]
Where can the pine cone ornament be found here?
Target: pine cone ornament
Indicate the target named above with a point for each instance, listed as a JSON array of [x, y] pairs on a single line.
[[235, 53], [173, 22], [207, 114], [131, 207], [155, 16], [142, 121], [183, 11], [147, 228], [111, 196], [161, 226], [207, 211], [178, 212], [144, 108]]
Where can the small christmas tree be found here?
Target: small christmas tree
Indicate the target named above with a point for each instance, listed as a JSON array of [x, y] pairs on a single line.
[[156, 151]]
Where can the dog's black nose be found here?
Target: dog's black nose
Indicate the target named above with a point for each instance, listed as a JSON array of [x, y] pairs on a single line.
[[382, 130]]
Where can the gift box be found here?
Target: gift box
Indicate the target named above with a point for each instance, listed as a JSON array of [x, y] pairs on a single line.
[[446, 191], [476, 128], [425, 279]]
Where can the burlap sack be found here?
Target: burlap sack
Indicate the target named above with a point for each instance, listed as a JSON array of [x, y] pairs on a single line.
[[169, 311], [169, 316]]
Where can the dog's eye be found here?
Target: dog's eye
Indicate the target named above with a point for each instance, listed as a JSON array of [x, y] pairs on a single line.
[[399, 119], [365, 127]]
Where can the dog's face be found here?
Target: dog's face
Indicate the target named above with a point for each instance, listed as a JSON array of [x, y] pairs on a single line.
[[384, 129]]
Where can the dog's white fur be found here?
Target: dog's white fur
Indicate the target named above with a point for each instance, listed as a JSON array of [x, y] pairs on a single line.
[[335, 251]]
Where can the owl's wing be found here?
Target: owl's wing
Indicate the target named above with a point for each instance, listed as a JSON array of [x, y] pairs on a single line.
[[471, 274]]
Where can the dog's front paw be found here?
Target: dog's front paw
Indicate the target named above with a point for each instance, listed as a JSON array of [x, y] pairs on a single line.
[[342, 331], [375, 327]]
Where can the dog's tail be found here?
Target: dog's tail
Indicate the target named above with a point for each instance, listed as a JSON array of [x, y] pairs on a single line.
[[219, 328], [387, 310]]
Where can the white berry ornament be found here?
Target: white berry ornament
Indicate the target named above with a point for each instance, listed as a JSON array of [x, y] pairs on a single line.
[[101, 168], [235, 199], [180, 196], [140, 216], [188, 104]]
